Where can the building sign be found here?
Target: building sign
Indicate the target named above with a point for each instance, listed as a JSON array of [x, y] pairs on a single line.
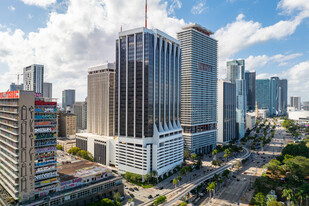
[[205, 67], [9, 95]]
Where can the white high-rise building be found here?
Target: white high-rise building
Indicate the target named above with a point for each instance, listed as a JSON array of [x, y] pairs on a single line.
[[147, 102], [198, 88], [34, 78], [236, 75]]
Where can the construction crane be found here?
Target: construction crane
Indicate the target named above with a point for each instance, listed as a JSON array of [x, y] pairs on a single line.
[[18, 75]]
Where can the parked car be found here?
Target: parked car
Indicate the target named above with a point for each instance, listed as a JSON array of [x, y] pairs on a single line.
[[150, 197], [131, 189], [131, 195], [161, 188], [135, 188]]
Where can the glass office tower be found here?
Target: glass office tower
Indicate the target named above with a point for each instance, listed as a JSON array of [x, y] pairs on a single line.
[[236, 75], [250, 90], [198, 88], [147, 102]]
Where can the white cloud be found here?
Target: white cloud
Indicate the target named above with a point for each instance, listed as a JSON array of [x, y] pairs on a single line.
[[40, 3], [176, 4], [199, 7], [298, 80], [11, 8], [81, 37], [255, 62]]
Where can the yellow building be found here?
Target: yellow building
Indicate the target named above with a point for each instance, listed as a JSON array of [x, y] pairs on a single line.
[[67, 124]]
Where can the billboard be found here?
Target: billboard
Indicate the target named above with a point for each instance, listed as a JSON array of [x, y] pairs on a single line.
[[9, 95]]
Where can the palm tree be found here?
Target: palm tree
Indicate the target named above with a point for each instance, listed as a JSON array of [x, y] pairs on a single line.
[[288, 193], [154, 173], [227, 154], [215, 152], [175, 182], [179, 179], [211, 188], [301, 196], [147, 177]]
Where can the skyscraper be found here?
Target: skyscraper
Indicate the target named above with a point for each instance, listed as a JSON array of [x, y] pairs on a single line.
[[101, 97], [283, 84], [250, 90], [295, 102], [271, 94], [68, 98], [47, 90], [99, 139], [236, 75], [198, 88], [80, 110], [33, 78], [226, 111], [147, 102]]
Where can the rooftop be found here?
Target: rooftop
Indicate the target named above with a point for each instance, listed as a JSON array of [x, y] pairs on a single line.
[[71, 167], [105, 66], [198, 28]]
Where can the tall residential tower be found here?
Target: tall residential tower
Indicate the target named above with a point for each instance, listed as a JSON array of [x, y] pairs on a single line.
[[198, 88], [34, 78], [250, 90]]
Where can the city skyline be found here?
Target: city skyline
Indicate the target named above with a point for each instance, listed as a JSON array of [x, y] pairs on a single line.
[[264, 47]]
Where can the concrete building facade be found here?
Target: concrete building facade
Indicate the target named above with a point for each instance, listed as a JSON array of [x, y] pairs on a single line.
[[198, 88], [33, 78], [147, 102], [295, 102], [17, 151], [100, 100], [67, 124], [47, 90], [227, 129], [80, 110]]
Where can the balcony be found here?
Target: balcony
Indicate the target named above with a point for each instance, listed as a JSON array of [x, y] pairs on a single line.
[[44, 164]]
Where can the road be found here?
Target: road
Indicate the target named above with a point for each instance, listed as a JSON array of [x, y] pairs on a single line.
[[250, 171]]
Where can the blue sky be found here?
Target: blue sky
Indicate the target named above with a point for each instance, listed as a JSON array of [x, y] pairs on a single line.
[[69, 36]]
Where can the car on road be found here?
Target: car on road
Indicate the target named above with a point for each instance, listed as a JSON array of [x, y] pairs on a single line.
[[157, 195], [237, 180], [125, 187], [234, 176], [161, 188], [150, 197], [136, 189], [131, 189], [131, 195]]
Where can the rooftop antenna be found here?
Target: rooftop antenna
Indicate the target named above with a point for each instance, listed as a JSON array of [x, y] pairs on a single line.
[[146, 15]]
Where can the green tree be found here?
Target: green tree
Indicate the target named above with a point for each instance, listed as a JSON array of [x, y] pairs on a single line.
[[175, 182], [274, 167], [160, 200], [215, 152], [183, 204], [288, 193], [74, 150], [238, 165], [106, 202], [259, 199], [193, 156], [186, 154], [85, 155], [227, 153], [225, 173], [117, 197], [147, 178], [154, 174], [183, 171], [179, 178], [211, 188], [59, 147]]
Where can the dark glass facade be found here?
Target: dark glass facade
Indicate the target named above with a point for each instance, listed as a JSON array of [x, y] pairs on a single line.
[[250, 90], [149, 78]]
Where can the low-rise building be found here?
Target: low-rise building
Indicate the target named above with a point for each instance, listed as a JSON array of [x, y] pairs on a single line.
[[103, 148], [67, 143], [81, 182], [250, 121]]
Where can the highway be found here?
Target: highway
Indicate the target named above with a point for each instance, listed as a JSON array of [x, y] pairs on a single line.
[[184, 189]]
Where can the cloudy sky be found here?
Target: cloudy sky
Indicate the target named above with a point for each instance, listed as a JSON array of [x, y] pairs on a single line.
[[68, 36]]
